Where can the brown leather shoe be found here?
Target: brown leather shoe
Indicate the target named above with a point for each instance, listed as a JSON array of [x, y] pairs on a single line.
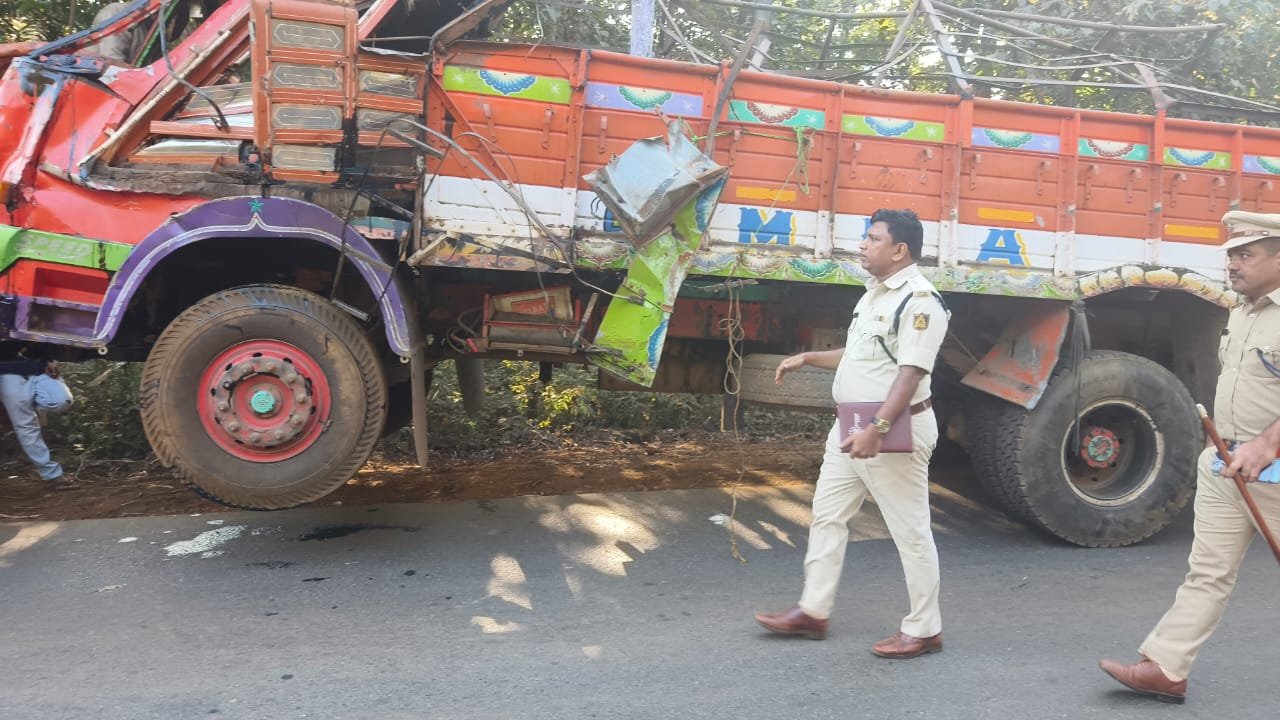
[[1146, 677], [793, 622], [904, 647]]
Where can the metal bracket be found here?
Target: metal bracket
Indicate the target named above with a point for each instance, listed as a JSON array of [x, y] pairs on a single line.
[[974, 162], [925, 156], [1041, 170], [1135, 174], [546, 129], [488, 121], [1174, 179]]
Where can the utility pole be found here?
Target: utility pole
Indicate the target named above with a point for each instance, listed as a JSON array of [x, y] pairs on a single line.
[[642, 28]]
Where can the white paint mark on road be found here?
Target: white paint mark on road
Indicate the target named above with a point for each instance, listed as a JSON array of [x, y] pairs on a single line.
[[205, 541], [127, 540], [214, 522], [719, 519], [109, 588]]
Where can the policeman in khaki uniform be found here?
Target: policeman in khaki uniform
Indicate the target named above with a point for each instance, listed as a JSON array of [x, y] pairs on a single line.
[[898, 328], [1247, 410]]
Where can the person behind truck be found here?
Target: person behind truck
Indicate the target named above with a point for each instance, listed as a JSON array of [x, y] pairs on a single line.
[[1247, 406], [29, 389], [120, 47], [898, 328]]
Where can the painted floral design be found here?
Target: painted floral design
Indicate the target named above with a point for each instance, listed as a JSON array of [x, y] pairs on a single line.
[[1007, 138], [889, 127], [772, 114], [1192, 158], [507, 83], [1111, 148], [644, 98]]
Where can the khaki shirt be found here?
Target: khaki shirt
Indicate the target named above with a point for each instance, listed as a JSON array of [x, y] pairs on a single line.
[[866, 371], [1248, 397]]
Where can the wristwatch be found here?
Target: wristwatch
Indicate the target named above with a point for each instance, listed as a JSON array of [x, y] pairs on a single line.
[[881, 425]]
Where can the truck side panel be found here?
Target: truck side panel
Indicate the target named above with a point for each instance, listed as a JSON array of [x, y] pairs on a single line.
[[1016, 199]]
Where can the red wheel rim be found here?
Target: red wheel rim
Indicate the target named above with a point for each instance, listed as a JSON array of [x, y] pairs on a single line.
[[263, 400], [1099, 447]]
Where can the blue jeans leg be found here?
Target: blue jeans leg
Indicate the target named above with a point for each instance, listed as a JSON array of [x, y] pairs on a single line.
[[16, 393]]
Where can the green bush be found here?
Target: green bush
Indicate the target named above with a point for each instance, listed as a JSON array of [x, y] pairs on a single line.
[[104, 423]]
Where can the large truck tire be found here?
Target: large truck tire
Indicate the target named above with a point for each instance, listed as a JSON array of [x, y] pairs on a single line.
[[1132, 470], [984, 443], [808, 387], [263, 397]]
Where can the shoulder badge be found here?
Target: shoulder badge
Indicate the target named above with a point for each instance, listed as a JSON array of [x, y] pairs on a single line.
[[920, 321]]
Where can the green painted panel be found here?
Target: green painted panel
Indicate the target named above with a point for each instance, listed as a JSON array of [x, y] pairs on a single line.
[[1207, 159], [897, 128], [24, 244], [464, 78]]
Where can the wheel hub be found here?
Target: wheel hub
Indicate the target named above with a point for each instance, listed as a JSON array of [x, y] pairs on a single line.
[[1099, 447], [265, 400]]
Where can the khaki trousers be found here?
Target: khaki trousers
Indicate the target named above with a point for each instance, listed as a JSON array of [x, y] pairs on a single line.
[[1224, 528], [899, 482]]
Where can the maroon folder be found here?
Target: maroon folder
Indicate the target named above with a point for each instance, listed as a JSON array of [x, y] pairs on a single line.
[[854, 416]]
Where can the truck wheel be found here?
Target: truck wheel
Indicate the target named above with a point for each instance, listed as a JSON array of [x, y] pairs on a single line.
[[807, 387], [984, 441], [1127, 475], [263, 397]]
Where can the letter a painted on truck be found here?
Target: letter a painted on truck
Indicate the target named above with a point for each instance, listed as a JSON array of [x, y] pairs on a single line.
[[1003, 246]]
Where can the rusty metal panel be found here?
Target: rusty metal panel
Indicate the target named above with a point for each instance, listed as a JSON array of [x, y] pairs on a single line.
[[1020, 364]]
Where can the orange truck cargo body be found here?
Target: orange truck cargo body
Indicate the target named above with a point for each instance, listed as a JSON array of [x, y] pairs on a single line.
[[1016, 199]]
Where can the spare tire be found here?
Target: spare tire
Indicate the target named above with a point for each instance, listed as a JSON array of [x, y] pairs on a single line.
[[1122, 478], [808, 387]]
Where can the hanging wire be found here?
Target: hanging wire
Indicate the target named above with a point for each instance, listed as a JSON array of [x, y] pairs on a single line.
[[731, 326], [221, 121]]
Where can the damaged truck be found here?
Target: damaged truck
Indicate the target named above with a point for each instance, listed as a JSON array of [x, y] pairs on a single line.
[[291, 225]]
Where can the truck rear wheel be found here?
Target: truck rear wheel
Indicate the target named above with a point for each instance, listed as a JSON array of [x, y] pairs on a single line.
[[263, 397], [1122, 478]]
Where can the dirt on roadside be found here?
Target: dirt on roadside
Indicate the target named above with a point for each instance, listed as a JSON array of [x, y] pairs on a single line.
[[668, 462]]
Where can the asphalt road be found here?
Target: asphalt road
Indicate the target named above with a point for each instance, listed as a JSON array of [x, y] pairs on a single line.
[[596, 606]]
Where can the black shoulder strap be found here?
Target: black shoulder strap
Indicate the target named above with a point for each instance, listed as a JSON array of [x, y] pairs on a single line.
[[897, 319], [902, 306]]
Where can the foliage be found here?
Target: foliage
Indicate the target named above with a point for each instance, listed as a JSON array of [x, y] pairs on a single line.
[[521, 411], [1239, 59], [104, 422], [45, 19]]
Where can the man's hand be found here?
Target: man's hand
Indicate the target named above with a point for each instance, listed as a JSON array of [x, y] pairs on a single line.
[[795, 362], [864, 444], [51, 369], [1251, 458]]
